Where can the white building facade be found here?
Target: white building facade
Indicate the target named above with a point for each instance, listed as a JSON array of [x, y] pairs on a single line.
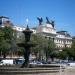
[[61, 38], [5, 21]]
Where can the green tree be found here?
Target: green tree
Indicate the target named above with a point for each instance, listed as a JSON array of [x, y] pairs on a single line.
[[43, 47], [73, 44], [1, 40], [62, 55], [20, 51], [67, 53], [41, 44], [50, 50], [73, 48], [6, 37]]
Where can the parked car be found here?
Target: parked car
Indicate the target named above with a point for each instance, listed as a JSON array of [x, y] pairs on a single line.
[[19, 61], [72, 64], [35, 62], [62, 62], [7, 62]]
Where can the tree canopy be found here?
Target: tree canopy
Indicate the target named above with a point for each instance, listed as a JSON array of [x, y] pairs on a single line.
[[44, 45], [6, 35]]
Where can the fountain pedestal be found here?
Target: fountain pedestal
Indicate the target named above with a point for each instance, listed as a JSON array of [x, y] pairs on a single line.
[[27, 45]]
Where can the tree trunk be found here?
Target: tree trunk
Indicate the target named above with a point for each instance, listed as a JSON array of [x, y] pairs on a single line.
[[4, 55]]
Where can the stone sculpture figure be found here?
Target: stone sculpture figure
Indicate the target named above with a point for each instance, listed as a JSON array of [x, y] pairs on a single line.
[[40, 20], [52, 23], [47, 20]]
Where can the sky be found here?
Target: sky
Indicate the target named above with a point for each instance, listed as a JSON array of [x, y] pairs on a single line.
[[61, 11]]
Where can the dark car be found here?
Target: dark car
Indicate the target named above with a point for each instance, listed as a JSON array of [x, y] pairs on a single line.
[[19, 61]]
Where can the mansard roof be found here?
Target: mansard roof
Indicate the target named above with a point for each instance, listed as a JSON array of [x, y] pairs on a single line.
[[64, 33]]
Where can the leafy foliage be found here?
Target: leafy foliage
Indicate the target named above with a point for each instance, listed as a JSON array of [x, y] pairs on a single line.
[[43, 47], [73, 44], [6, 36]]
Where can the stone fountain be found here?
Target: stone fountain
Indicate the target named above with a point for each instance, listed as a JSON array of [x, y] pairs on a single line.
[[27, 45]]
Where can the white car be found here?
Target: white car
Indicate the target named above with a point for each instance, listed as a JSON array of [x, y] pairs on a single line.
[[7, 62], [72, 64]]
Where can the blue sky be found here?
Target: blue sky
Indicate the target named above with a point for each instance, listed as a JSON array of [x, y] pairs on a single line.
[[62, 11]]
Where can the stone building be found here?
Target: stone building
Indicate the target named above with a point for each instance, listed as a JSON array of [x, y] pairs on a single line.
[[61, 38], [5, 21]]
